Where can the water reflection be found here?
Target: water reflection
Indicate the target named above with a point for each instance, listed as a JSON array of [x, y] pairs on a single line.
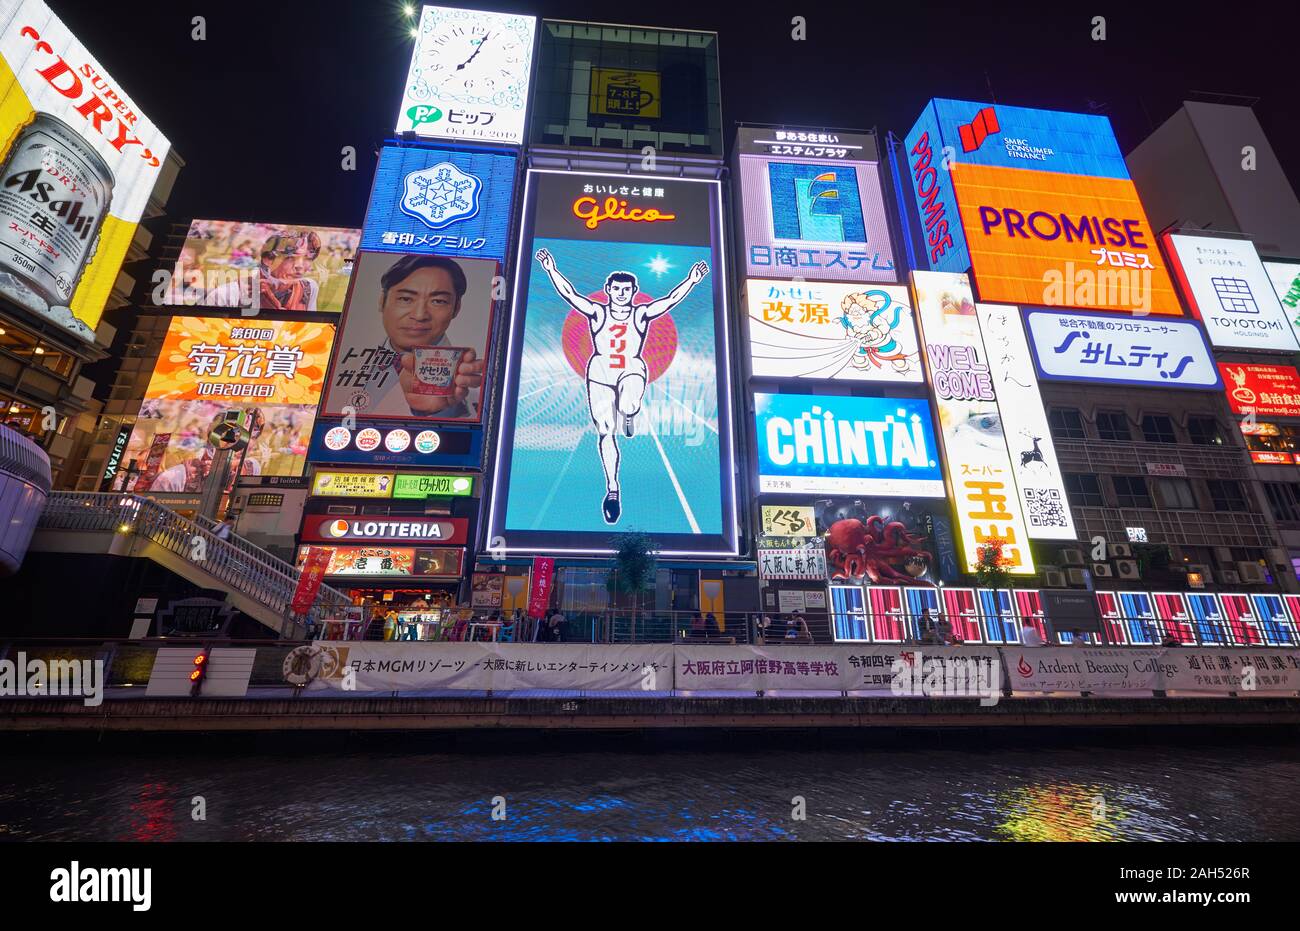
[[397, 790]]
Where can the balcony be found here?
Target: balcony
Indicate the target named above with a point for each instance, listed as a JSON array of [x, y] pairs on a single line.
[[1111, 458], [1185, 528]]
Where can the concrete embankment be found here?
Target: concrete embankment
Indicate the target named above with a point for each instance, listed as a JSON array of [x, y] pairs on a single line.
[[636, 713]]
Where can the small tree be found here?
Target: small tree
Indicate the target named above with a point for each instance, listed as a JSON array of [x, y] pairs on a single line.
[[635, 567], [991, 568]]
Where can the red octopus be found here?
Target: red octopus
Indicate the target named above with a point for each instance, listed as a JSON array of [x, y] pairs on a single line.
[[873, 549]]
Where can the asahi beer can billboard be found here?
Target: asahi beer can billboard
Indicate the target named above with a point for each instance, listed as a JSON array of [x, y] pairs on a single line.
[[79, 164]]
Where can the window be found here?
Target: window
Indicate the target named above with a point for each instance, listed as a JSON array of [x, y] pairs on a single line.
[[1284, 499], [1158, 428], [1066, 424], [1131, 491], [1083, 490], [1113, 425], [1175, 493], [1227, 495], [1204, 431]]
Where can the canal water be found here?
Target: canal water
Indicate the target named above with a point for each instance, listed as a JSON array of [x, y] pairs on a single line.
[[713, 788]]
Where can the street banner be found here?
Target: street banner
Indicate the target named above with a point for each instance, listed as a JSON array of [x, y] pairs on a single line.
[[539, 593], [1071, 669], [313, 572], [388, 667]]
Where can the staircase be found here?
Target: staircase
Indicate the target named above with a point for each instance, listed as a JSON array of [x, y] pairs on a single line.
[[257, 583]]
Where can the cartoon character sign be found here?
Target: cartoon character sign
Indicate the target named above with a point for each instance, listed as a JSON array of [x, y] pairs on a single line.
[[801, 329], [884, 542]]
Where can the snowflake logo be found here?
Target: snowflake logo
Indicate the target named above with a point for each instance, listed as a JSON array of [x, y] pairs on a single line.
[[440, 195]]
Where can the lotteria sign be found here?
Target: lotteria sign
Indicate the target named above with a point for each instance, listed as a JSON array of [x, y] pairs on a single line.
[[326, 528], [1106, 349], [815, 444]]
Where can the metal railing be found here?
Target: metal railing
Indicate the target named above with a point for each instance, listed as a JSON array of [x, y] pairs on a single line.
[[234, 563]]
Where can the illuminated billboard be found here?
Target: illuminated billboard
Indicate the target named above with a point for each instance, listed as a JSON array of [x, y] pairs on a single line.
[[817, 215], [1230, 293], [1043, 500], [263, 268], [438, 201], [832, 331], [387, 561], [1263, 390], [271, 369], [615, 412], [469, 74], [1060, 240], [413, 341], [1106, 349], [396, 443], [1285, 277], [819, 444], [974, 444], [80, 161], [884, 541], [328, 528]]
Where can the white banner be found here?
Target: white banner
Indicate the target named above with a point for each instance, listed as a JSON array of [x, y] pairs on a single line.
[[1024, 424], [1070, 669], [387, 667]]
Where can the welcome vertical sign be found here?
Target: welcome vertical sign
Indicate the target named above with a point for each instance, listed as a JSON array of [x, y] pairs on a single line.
[[975, 449]]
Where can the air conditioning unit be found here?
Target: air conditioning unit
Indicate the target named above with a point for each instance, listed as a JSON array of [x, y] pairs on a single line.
[[1127, 569], [1102, 570], [1053, 578], [1120, 549], [1228, 577], [1251, 572], [1223, 554], [1206, 575], [1076, 576], [1072, 557]]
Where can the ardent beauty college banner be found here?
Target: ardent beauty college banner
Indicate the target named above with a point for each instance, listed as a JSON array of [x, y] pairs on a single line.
[[1069, 669], [405, 667]]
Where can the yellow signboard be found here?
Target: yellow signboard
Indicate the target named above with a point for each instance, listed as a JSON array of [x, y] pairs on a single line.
[[353, 484], [786, 521], [625, 93]]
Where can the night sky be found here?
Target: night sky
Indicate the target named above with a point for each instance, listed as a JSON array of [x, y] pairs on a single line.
[[262, 108]]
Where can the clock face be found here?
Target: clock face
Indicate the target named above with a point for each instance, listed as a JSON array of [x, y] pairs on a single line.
[[469, 75]]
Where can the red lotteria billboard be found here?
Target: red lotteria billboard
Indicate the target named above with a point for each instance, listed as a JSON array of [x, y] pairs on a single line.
[[1262, 390], [329, 528]]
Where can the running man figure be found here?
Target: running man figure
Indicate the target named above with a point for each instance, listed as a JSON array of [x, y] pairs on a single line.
[[616, 374]]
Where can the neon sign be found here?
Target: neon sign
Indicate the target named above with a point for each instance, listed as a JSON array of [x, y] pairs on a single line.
[[588, 209]]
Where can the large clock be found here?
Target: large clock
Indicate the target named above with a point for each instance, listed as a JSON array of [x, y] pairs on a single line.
[[469, 75]]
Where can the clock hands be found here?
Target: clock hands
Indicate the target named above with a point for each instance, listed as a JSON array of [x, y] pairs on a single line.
[[476, 51]]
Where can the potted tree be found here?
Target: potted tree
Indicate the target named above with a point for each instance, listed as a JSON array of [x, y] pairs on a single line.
[[991, 569], [635, 567]]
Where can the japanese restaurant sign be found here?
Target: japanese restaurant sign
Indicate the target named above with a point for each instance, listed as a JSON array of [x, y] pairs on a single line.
[[543, 579], [1264, 390]]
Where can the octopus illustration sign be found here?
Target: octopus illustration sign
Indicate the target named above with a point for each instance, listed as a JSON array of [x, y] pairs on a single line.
[[841, 332], [886, 541], [616, 409]]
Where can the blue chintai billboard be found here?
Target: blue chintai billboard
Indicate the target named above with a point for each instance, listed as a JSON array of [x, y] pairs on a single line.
[[818, 444], [615, 414]]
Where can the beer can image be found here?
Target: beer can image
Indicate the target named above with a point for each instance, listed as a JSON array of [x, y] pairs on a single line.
[[55, 191], [435, 369]]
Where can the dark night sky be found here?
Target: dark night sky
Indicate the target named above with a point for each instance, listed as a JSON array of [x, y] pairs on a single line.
[[261, 109]]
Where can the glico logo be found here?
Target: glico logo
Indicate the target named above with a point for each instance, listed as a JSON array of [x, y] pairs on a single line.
[[977, 130], [593, 213], [933, 211]]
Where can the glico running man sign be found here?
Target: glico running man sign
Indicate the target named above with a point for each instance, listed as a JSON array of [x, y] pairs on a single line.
[[615, 409]]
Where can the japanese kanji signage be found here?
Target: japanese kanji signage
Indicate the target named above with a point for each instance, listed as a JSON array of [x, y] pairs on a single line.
[[1264, 390], [849, 332], [1120, 350], [314, 562], [385, 560], [272, 369], [542, 580], [975, 448], [791, 558], [788, 520], [1024, 424], [440, 202], [1230, 292], [352, 484], [813, 207]]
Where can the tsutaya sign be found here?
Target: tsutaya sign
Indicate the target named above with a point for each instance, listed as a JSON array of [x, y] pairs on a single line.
[[1024, 424], [975, 448]]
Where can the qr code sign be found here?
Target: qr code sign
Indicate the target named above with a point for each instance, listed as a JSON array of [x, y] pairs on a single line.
[[1045, 508]]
